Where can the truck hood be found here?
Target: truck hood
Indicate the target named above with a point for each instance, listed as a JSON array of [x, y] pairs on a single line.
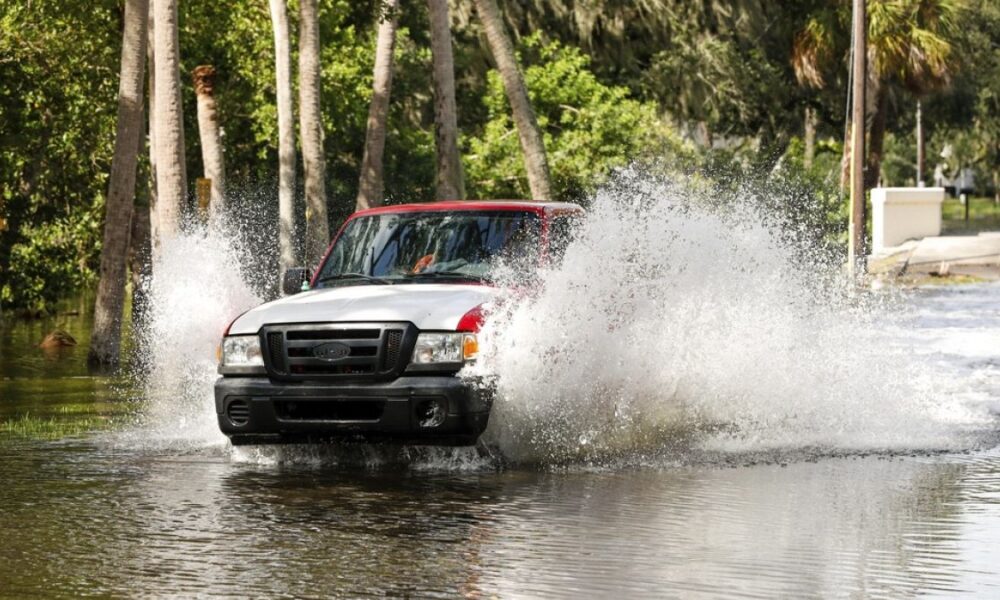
[[429, 306]]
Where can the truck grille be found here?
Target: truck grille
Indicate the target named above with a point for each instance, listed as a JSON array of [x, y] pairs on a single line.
[[340, 351]]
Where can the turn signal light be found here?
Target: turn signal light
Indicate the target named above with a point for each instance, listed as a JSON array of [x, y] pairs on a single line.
[[470, 346]]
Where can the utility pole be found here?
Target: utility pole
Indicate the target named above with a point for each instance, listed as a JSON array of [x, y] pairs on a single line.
[[920, 146], [856, 249]]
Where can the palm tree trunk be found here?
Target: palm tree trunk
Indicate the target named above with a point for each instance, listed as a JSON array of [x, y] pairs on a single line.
[[140, 263], [311, 129], [535, 161], [286, 137], [154, 229], [449, 180], [211, 137], [105, 341], [876, 139], [809, 135], [171, 173], [371, 185], [140, 253]]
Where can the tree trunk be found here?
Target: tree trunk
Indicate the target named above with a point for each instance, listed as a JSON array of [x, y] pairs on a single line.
[[286, 137], [311, 130], [449, 181], [211, 138], [371, 185], [139, 261], [809, 136], [154, 229], [171, 175], [532, 145], [140, 255], [876, 139], [105, 341]]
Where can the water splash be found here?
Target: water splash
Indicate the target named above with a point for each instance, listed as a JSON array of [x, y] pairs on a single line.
[[672, 326], [201, 281]]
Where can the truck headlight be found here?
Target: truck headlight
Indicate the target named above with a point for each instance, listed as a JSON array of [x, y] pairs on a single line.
[[433, 348], [242, 351]]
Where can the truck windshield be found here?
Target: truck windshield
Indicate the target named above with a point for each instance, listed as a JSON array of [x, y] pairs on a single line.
[[432, 246]]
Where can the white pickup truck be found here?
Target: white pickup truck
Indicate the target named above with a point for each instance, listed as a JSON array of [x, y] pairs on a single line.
[[370, 344]]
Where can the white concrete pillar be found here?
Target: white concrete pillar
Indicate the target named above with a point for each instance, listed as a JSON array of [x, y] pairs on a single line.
[[900, 214]]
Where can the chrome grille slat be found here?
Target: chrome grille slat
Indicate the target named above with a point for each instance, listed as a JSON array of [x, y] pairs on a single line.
[[353, 343], [335, 333]]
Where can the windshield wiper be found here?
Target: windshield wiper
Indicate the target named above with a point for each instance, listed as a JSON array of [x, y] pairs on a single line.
[[341, 276], [444, 275]]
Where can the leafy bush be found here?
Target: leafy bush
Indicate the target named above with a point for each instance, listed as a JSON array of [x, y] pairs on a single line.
[[55, 258], [589, 128]]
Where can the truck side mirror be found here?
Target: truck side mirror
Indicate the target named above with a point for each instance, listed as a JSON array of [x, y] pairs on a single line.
[[294, 280]]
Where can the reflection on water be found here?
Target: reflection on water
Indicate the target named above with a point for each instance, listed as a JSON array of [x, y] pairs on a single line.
[[81, 518], [109, 515]]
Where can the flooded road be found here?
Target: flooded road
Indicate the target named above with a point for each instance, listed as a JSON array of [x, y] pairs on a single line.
[[80, 519], [115, 511]]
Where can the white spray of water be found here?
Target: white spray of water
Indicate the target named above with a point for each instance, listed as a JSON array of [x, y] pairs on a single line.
[[199, 285], [668, 328], [671, 327]]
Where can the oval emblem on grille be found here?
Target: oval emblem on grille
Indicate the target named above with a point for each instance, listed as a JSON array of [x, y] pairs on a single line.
[[331, 351]]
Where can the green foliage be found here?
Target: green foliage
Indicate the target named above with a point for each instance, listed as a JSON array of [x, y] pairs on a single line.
[[237, 39], [611, 82], [965, 117], [54, 259], [589, 128], [58, 84]]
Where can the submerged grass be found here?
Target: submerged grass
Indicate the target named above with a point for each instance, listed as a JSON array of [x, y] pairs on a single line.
[[64, 421]]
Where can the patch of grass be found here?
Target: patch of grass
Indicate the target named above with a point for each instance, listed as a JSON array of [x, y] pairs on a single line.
[[65, 421], [984, 215], [51, 428]]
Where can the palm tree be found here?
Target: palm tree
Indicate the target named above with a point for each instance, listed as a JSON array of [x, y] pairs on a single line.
[[907, 48], [105, 341], [171, 174], [211, 137], [532, 145], [449, 180], [286, 136], [371, 186], [311, 129], [691, 57], [910, 50], [154, 229]]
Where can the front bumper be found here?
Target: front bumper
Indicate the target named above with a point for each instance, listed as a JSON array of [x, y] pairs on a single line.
[[254, 410]]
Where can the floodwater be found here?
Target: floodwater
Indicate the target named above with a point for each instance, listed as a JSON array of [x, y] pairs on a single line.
[[106, 514], [698, 419]]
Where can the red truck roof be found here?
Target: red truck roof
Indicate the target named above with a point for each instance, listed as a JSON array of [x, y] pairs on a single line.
[[462, 205]]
